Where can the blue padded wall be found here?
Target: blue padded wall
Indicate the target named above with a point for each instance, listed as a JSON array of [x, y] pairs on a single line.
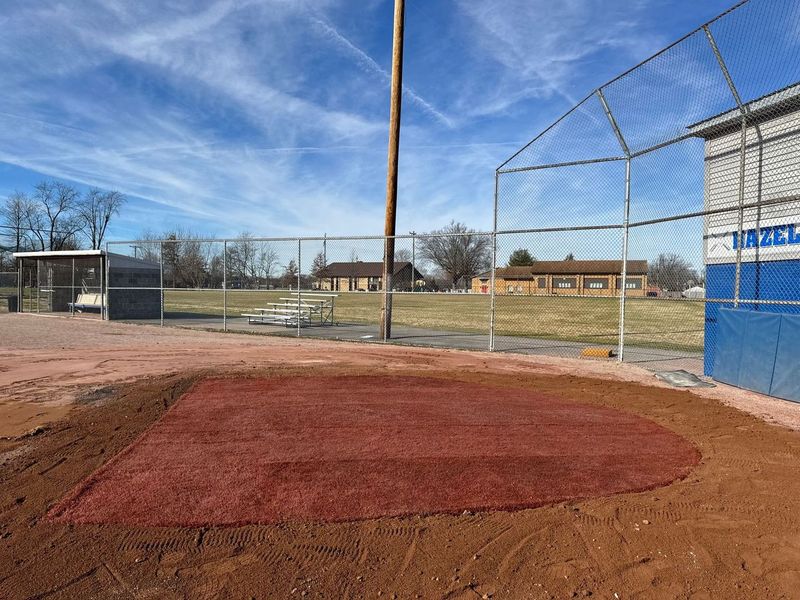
[[756, 350], [772, 280], [785, 377]]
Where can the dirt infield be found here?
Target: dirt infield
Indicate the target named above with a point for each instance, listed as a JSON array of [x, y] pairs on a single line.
[[730, 529], [244, 451]]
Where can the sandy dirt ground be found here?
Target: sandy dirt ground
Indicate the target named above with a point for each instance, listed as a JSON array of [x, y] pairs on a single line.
[[731, 529]]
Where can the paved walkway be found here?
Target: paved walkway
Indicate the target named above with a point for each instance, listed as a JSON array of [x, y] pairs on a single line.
[[649, 358]]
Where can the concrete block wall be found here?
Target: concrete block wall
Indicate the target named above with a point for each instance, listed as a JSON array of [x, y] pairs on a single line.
[[134, 294]]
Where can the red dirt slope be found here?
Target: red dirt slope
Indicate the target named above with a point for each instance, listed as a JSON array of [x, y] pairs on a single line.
[[235, 451]]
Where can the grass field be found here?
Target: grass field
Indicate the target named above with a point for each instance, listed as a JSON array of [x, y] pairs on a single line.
[[649, 322], [657, 323]]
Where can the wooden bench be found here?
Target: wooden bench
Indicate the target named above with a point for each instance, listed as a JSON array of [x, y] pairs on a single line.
[[87, 302]]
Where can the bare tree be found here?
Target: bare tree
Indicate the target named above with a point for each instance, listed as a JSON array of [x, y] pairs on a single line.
[[267, 259], [671, 272], [216, 271], [192, 261], [289, 277], [147, 248], [13, 212], [318, 267], [243, 259], [169, 258], [49, 215], [458, 251], [95, 212], [402, 255]]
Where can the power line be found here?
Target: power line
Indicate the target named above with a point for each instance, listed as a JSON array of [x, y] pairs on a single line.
[[37, 230]]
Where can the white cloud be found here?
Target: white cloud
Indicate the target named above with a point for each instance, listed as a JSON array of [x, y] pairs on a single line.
[[265, 114], [372, 66], [542, 43]]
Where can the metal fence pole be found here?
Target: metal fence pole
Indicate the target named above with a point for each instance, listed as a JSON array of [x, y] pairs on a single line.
[[492, 306], [625, 220], [742, 161], [299, 259], [38, 285], [20, 285], [161, 274], [624, 289], [413, 260], [737, 281], [104, 285], [72, 291], [225, 285]]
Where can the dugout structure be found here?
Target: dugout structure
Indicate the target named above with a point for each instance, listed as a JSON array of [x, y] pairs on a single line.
[[689, 161], [88, 282]]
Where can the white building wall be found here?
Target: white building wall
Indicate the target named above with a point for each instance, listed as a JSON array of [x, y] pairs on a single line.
[[772, 172]]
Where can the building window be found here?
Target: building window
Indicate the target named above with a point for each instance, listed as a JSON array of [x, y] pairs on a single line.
[[631, 283], [541, 282], [595, 283], [519, 289], [510, 289], [565, 283]]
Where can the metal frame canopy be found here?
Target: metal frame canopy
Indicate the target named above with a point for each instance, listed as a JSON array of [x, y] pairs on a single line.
[[76, 280]]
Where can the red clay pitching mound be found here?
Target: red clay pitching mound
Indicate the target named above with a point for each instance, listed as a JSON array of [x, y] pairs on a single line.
[[348, 447]]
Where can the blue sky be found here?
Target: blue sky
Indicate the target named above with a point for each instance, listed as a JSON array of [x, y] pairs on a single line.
[[271, 115]]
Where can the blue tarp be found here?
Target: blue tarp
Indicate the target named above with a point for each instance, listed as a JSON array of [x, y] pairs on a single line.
[[766, 280], [785, 377], [756, 350]]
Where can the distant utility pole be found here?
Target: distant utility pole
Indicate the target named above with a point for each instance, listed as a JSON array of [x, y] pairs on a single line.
[[391, 176]]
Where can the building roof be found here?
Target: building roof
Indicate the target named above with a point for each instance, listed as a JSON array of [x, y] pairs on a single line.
[[571, 267], [360, 269], [761, 109], [116, 260], [59, 254]]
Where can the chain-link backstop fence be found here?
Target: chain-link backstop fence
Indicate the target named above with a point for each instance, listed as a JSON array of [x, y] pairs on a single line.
[[665, 195], [330, 287], [668, 193]]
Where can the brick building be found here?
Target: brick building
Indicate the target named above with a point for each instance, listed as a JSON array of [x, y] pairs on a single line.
[[567, 278], [361, 276]]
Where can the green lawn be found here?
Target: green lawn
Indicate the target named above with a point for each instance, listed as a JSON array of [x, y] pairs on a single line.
[[29, 299], [669, 324], [5, 292], [650, 322]]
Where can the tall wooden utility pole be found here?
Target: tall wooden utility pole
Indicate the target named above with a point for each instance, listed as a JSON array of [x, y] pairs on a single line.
[[391, 176]]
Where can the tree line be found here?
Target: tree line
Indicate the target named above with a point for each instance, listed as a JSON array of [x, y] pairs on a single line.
[[449, 260], [56, 216], [190, 262]]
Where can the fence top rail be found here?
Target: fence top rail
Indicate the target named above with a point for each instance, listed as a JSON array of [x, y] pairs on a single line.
[[610, 82], [317, 238]]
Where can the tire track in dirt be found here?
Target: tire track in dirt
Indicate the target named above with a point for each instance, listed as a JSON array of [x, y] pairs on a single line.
[[156, 542], [408, 556]]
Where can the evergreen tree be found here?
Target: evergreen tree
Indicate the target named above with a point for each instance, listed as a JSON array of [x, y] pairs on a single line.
[[521, 258]]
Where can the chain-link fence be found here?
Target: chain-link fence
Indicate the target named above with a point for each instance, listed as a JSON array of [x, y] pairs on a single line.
[[8, 288], [50, 283], [664, 195], [329, 287]]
